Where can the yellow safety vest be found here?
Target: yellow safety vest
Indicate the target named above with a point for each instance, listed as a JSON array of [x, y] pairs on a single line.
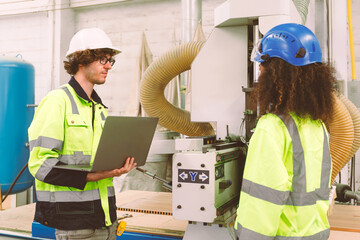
[[66, 129], [285, 188]]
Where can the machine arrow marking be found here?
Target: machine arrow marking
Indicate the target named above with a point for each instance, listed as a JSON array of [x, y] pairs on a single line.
[[203, 176], [183, 176]]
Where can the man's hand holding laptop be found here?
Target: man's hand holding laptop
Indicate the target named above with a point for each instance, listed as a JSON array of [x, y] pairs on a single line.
[[96, 176]]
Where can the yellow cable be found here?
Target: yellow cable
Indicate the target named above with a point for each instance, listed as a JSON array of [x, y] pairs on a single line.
[[353, 70]]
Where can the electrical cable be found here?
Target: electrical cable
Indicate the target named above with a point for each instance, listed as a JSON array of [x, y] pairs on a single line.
[[13, 183], [241, 130]]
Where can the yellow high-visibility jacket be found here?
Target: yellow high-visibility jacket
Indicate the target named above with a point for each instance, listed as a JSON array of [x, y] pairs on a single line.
[[285, 188], [66, 129]]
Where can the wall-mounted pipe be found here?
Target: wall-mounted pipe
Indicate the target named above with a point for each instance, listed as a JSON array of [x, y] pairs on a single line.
[[191, 16], [153, 84]]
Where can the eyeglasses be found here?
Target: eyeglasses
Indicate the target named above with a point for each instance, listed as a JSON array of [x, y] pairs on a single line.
[[104, 60]]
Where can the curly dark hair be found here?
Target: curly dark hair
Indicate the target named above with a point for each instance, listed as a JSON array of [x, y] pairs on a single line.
[[306, 91], [85, 58]]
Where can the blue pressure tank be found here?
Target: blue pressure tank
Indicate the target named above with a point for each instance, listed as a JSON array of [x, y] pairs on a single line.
[[16, 113]]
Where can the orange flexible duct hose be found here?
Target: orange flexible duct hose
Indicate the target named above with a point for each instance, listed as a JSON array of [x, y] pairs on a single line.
[[355, 116], [153, 84], [341, 131]]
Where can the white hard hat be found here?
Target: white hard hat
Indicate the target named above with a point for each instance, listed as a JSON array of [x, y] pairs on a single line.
[[90, 38]]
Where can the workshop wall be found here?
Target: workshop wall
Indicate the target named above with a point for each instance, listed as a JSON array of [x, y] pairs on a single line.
[[161, 21], [27, 35]]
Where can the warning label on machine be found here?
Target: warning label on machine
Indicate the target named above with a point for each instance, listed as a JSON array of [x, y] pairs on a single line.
[[193, 176]]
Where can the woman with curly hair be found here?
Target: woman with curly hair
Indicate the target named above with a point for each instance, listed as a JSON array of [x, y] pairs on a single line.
[[285, 187]]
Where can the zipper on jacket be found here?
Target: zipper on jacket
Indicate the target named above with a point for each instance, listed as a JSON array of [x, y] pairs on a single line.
[[93, 114]]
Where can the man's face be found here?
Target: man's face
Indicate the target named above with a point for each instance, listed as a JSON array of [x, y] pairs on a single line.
[[96, 72]]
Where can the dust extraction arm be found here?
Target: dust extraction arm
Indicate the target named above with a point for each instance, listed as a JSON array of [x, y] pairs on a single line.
[[153, 84], [344, 134]]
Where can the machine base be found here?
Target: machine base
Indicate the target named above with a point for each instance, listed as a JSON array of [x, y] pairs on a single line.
[[205, 231]]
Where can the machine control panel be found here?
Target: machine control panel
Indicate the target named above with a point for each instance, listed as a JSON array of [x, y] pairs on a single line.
[[193, 176], [206, 185]]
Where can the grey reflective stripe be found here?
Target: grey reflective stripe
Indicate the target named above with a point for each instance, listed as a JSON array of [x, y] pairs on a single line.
[[76, 158], [73, 104], [72, 196], [46, 142], [45, 168], [326, 164], [283, 197], [299, 170], [102, 116], [247, 234], [264, 193], [299, 196]]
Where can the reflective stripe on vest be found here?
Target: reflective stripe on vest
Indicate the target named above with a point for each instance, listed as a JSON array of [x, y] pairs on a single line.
[[249, 234], [77, 158], [102, 116], [297, 197], [45, 168], [72, 196], [73, 104], [46, 142], [51, 143]]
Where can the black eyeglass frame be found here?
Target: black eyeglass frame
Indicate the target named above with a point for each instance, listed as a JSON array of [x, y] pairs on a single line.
[[104, 60]]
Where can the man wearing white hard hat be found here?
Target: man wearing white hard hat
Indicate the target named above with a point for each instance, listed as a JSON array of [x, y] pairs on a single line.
[[66, 129]]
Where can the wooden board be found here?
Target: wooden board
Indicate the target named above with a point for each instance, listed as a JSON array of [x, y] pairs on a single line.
[[145, 201], [18, 219], [151, 213], [340, 235], [345, 218]]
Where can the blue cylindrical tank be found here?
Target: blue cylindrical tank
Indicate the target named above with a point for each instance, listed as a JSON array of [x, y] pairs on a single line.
[[16, 93]]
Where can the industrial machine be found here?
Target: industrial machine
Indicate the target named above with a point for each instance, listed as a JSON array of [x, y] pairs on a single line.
[[206, 188], [207, 178]]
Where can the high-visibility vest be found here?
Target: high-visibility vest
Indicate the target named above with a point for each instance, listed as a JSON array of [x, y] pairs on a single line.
[[66, 129], [285, 187]]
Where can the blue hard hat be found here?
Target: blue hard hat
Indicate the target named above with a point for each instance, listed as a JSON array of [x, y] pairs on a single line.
[[294, 43]]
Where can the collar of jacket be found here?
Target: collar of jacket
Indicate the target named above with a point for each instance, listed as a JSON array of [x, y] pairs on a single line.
[[81, 93]]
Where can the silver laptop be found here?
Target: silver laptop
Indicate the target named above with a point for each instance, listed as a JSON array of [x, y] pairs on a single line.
[[122, 137]]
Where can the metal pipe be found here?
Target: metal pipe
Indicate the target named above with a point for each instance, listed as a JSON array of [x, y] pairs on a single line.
[[191, 16], [153, 176]]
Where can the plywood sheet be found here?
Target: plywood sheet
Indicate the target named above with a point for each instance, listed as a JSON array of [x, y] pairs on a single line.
[[154, 224], [18, 219], [345, 218], [340, 235], [151, 213], [145, 201]]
